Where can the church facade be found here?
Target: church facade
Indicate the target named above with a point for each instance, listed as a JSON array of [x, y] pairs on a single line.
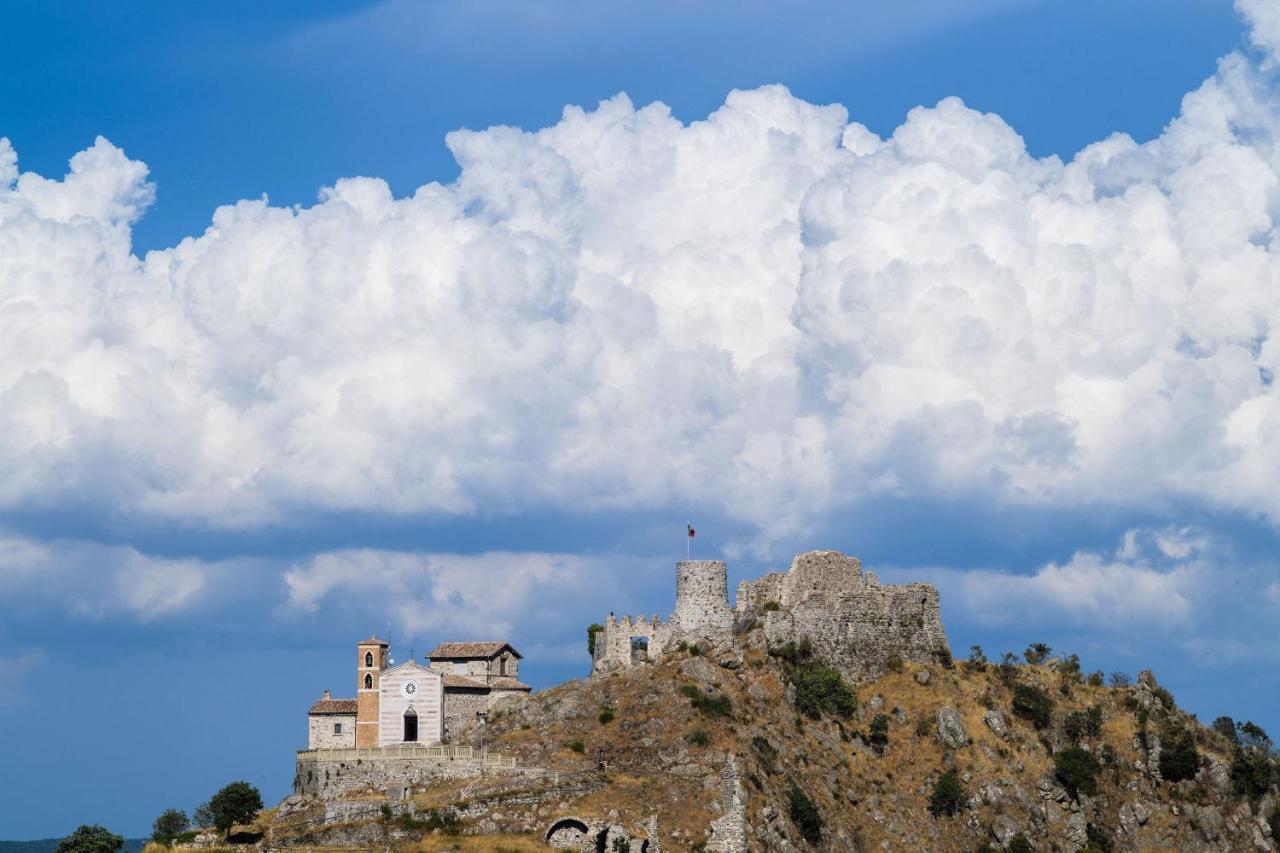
[[413, 703]]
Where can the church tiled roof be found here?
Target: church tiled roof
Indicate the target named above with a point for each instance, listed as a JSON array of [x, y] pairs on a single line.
[[452, 651], [334, 706], [451, 680]]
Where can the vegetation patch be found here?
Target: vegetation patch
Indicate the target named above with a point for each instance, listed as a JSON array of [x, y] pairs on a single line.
[[804, 814], [1077, 770], [1179, 758], [822, 690]]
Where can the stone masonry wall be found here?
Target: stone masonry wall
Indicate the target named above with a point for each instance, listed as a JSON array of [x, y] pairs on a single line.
[[613, 644], [852, 621], [320, 731], [334, 779]]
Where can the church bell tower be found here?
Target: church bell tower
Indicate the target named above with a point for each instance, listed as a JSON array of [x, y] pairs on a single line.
[[372, 660]]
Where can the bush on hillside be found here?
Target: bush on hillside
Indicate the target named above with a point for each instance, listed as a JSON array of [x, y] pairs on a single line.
[[804, 814], [712, 706], [1098, 838], [1120, 679], [1019, 844], [1179, 758], [947, 797], [91, 838], [1250, 772], [1033, 704], [878, 735], [1077, 770], [821, 690]]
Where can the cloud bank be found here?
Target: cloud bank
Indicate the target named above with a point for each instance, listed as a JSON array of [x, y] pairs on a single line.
[[772, 313]]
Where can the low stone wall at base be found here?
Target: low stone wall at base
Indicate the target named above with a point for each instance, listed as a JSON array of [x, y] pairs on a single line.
[[337, 773]]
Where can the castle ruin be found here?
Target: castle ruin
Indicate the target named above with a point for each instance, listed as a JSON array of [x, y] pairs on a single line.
[[851, 621]]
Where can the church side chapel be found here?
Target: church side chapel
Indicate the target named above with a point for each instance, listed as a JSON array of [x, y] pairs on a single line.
[[416, 704]]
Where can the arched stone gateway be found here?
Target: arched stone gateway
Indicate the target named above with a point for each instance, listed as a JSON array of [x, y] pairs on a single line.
[[570, 832]]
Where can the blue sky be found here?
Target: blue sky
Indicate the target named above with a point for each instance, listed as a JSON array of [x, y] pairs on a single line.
[[481, 389]]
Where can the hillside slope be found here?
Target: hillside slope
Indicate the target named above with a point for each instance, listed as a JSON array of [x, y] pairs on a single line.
[[1040, 755]]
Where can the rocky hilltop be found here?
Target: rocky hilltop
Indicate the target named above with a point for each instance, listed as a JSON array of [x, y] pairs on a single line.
[[767, 741]]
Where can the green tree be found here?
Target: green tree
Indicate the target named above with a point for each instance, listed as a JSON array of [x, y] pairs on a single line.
[[202, 816], [1019, 844], [1036, 652], [947, 796], [90, 839], [1226, 727], [168, 826], [1077, 770], [237, 803]]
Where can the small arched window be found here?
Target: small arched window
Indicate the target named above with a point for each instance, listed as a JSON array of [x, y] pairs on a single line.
[[368, 659], [368, 682]]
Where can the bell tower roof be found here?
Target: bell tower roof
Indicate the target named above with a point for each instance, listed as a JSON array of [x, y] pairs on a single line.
[[374, 641]]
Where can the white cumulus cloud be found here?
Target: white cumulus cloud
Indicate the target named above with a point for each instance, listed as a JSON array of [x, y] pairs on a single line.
[[772, 312]]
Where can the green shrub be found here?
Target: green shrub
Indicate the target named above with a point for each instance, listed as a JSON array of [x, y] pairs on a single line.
[[1098, 838], [1033, 704], [186, 837], [804, 814], [620, 845], [894, 663], [1179, 758], [766, 753], [577, 746], [947, 797], [713, 706], [1120, 679], [792, 652], [1077, 770], [698, 737], [592, 630], [821, 689], [770, 606], [1095, 679], [606, 715], [878, 735], [1165, 697], [1008, 668], [943, 657]]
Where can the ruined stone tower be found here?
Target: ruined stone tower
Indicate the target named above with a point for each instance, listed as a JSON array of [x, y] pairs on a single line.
[[702, 602]]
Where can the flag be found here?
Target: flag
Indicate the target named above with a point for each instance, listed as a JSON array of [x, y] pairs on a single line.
[[691, 531]]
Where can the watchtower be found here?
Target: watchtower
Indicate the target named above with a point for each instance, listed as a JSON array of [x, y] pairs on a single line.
[[702, 601], [371, 661]]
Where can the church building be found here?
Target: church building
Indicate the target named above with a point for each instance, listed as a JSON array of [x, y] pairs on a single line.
[[415, 703]]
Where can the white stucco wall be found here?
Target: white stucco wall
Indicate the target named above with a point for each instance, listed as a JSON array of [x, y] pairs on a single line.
[[427, 699]]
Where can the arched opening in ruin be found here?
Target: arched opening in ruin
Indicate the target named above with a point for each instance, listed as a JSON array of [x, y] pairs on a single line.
[[639, 649], [601, 840], [567, 832]]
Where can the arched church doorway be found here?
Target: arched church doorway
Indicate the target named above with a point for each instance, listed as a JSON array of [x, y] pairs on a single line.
[[410, 725]]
